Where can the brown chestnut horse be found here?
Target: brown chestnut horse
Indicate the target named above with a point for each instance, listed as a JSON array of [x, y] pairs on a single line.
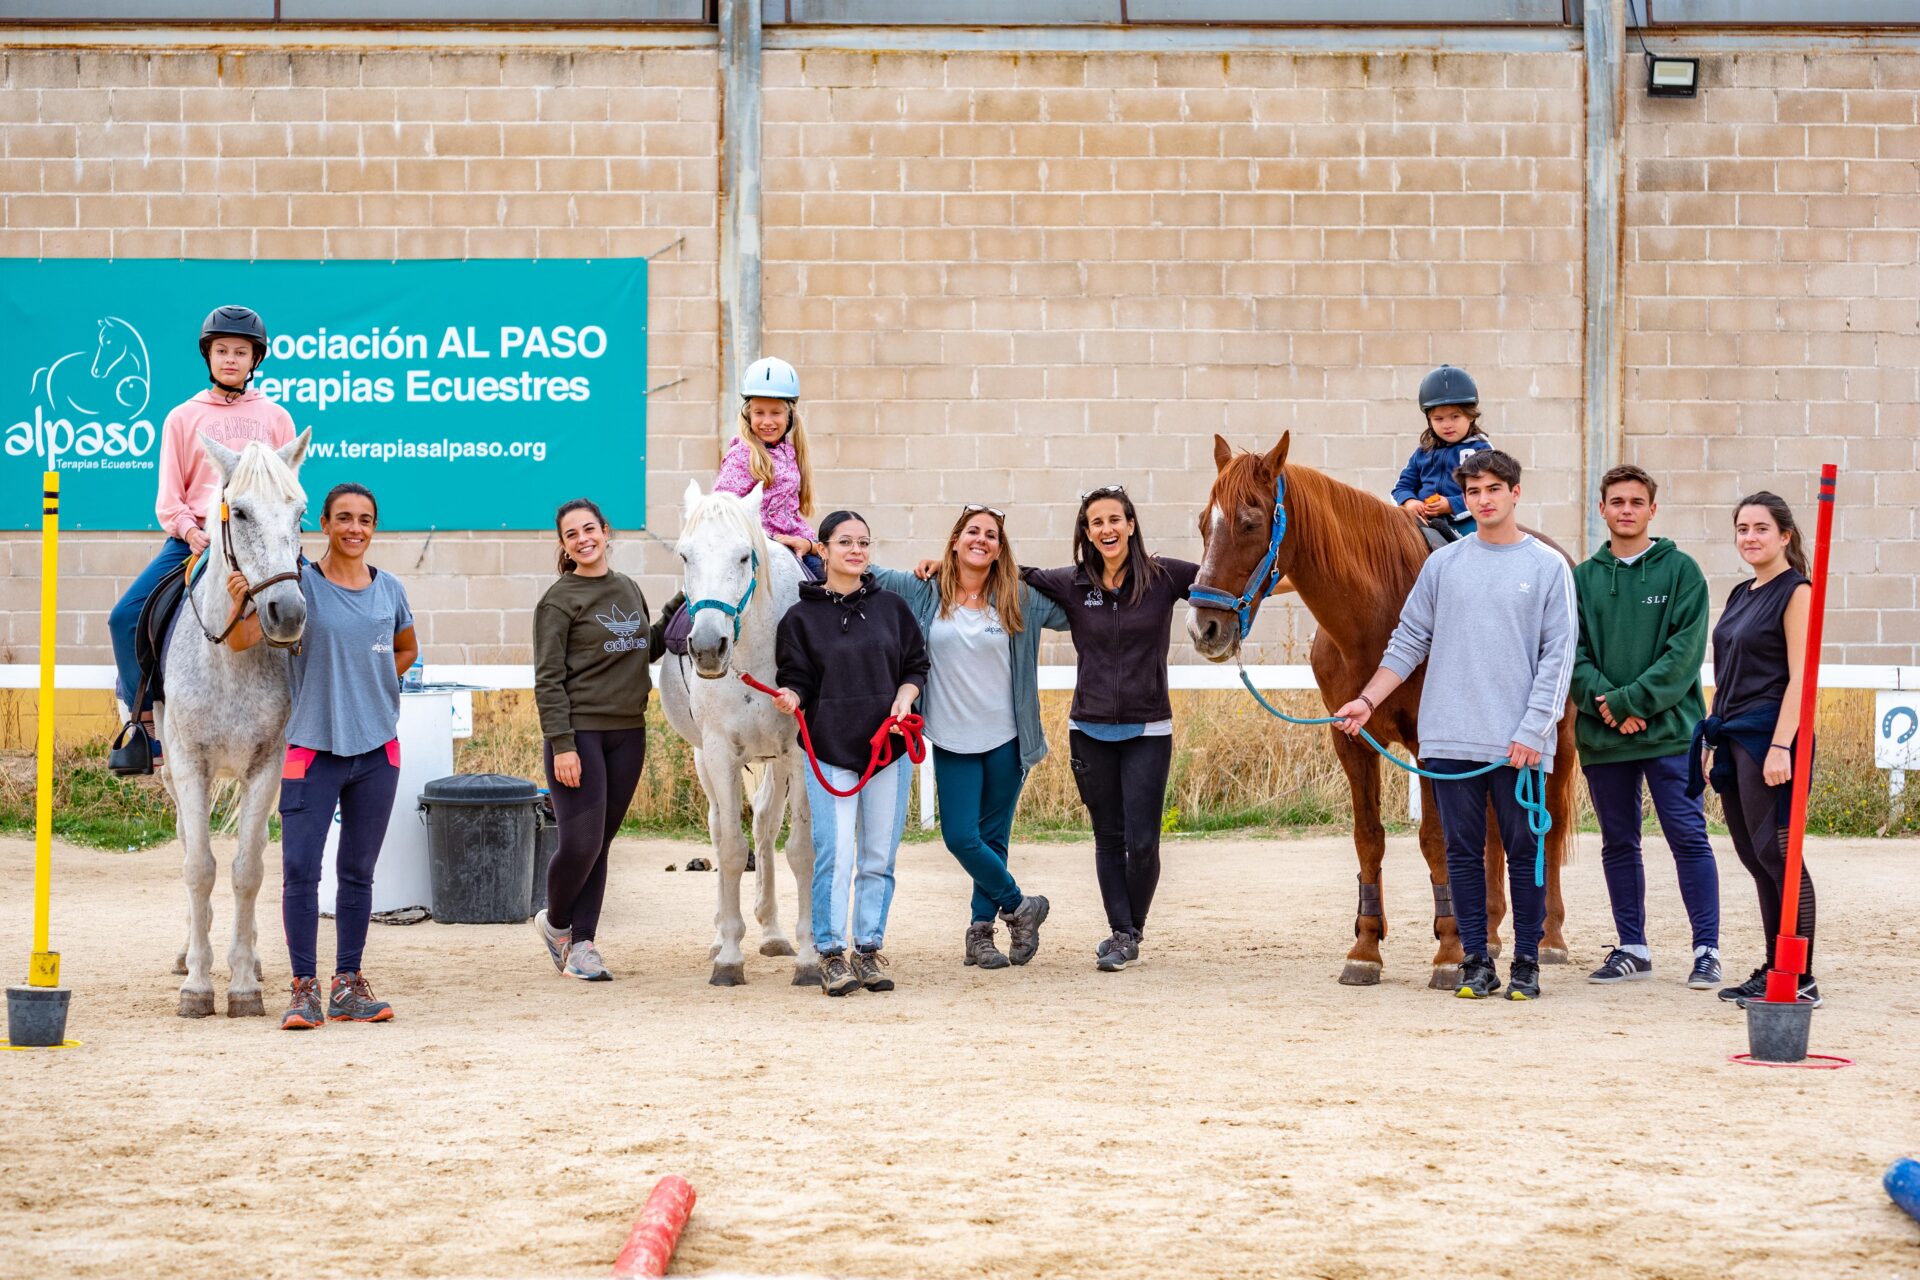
[[1353, 558]]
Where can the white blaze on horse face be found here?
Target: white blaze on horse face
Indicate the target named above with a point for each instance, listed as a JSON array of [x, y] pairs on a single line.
[[1210, 639]]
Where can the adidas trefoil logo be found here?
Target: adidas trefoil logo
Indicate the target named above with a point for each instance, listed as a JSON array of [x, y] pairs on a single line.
[[625, 628]]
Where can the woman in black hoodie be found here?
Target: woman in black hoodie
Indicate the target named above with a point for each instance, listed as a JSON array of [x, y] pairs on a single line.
[[850, 655]]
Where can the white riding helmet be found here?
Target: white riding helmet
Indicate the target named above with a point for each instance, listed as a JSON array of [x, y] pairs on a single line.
[[772, 377]]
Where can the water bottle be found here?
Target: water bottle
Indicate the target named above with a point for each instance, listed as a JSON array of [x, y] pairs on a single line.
[[416, 677]]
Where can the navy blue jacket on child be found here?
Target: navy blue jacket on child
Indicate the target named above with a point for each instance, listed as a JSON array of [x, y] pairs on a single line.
[[1430, 471]]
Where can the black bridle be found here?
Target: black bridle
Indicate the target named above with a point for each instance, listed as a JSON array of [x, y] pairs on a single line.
[[246, 605]]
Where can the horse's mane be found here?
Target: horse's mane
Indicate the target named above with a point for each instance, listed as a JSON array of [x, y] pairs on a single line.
[[261, 470], [1352, 536], [732, 511]]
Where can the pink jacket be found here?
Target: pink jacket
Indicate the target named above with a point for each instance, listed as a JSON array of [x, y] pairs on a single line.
[[188, 478], [780, 504]]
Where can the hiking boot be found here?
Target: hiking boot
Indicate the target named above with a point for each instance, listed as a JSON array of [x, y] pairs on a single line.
[[1809, 992], [1523, 980], [351, 1000], [1754, 988], [836, 975], [980, 948], [303, 1011], [1706, 972], [1622, 966], [584, 963], [1478, 980], [867, 966], [1119, 951], [557, 940], [1023, 923]]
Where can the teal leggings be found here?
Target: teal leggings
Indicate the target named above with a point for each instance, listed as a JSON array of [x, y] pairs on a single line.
[[978, 794]]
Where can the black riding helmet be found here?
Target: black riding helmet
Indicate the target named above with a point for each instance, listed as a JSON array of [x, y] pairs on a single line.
[[1447, 385], [234, 322]]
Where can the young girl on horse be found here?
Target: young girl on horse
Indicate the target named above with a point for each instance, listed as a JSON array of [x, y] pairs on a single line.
[[591, 645], [1451, 404], [1119, 604], [771, 451], [982, 626], [233, 342], [342, 750], [850, 655]]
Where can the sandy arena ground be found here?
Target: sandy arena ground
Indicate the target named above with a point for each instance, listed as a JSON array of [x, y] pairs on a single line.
[[1223, 1110]]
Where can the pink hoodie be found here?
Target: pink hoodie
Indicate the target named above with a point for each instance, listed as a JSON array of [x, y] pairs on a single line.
[[188, 478]]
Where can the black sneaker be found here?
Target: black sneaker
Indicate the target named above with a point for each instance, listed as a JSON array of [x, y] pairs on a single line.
[[1478, 980], [1752, 989], [1809, 992], [1523, 981], [836, 975], [1117, 952], [866, 967], [1706, 972], [1622, 966]]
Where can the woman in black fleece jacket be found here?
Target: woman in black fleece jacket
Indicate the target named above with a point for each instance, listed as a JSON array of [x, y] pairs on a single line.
[[850, 655]]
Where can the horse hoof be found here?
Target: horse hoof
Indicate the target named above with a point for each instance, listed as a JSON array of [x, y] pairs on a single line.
[[1446, 977], [807, 975], [249, 1006], [180, 964], [1554, 955], [776, 947], [728, 975], [1360, 973], [196, 1004]]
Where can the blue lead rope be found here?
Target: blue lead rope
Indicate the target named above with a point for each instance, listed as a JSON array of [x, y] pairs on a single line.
[[1529, 787]]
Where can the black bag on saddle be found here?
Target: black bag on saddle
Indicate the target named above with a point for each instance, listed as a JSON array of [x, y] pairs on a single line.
[[133, 749]]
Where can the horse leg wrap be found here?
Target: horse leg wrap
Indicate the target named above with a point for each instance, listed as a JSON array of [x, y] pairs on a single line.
[[1442, 900], [1370, 906]]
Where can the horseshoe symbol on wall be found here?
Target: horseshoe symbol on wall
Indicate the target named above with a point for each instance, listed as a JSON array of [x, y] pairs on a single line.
[[1913, 724]]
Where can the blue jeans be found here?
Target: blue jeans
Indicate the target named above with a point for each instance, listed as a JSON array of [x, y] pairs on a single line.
[[1463, 819], [855, 839], [1615, 789], [978, 793], [124, 622], [312, 783]]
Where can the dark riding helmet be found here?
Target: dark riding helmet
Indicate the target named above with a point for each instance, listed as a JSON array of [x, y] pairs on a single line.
[[235, 322], [1447, 385]]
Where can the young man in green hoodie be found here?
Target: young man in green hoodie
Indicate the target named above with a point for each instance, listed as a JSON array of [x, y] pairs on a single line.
[[1636, 681]]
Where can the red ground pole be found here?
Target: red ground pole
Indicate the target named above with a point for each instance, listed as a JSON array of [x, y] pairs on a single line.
[[656, 1231], [1790, 950]]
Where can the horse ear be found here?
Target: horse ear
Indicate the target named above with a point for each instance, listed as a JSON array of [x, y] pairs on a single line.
[[223, 457], [1222, 453], [754, 498], [691, 498], [294, 452], [1277, 456]]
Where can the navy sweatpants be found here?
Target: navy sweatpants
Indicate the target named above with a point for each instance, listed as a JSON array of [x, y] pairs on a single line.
[[1615, 789], [311, 784], [1463, 818], [123, 623]]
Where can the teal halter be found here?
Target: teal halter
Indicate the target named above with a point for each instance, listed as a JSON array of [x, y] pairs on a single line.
[[731, 610], [1246, 605]]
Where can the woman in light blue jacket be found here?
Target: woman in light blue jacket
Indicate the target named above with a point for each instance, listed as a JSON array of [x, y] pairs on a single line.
[[982, 708]]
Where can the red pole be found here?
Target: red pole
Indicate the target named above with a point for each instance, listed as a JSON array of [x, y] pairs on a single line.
[[1790, 949], [657, 1230]]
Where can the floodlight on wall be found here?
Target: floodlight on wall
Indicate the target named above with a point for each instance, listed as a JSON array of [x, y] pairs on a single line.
[[1672, 77]]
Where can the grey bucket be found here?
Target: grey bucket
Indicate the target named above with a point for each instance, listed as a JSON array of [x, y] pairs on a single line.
[[1779, 1032], [480, 839], [37, 1016]]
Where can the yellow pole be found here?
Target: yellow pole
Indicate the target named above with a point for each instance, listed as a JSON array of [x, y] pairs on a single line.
[[45, 969]]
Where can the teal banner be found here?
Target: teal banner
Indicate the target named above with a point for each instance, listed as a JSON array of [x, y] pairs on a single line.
[[466, 395]]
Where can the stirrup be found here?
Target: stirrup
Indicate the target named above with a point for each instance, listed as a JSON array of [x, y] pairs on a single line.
[[132, 752]]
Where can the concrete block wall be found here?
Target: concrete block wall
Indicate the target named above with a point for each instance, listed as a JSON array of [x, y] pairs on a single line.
[[1007, 277]]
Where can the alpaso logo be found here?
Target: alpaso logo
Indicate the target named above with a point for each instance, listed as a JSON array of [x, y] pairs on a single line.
[[89, 404]]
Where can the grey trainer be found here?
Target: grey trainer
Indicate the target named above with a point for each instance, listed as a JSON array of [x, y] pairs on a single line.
[[584, 963], [980, 949], [557, 940], [1023, 923], [1121, 950]]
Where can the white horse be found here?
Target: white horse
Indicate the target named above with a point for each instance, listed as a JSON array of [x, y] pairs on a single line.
[[226, 711], [738, 586]]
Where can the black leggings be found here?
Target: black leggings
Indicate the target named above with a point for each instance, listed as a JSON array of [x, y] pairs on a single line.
[[1760, 838], [590, 815], [1124, 786]]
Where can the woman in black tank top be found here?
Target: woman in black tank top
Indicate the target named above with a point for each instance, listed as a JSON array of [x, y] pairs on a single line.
[[1759, 647]]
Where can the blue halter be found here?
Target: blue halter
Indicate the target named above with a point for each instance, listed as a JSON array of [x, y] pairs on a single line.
[[731, 610], [1246, 605]]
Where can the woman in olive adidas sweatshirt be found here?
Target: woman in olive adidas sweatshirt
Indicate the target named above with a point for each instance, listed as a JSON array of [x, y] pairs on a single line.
[[591, 643]]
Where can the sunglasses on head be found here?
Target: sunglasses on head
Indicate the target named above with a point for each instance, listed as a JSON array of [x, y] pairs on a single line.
[[1105, 491], [974, 508]]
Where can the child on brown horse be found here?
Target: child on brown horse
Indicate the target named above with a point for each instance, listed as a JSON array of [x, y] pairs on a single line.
[[1451, 404]]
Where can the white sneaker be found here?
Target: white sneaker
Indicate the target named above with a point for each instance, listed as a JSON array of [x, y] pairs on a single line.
[[557, 940], [584, 963]]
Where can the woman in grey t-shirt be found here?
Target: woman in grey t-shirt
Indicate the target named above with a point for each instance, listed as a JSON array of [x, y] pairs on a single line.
[[342, 750]]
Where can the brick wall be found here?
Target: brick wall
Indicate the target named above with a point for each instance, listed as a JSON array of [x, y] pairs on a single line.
[[1007, 277]]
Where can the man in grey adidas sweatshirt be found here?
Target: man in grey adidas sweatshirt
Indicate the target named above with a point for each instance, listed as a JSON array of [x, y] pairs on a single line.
[[1493, 617]]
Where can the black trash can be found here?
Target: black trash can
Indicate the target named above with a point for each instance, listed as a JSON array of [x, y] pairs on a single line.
[[546, 842], [480, 839]]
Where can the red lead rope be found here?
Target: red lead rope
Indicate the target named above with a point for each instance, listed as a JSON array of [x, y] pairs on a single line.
[[910, 727]]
